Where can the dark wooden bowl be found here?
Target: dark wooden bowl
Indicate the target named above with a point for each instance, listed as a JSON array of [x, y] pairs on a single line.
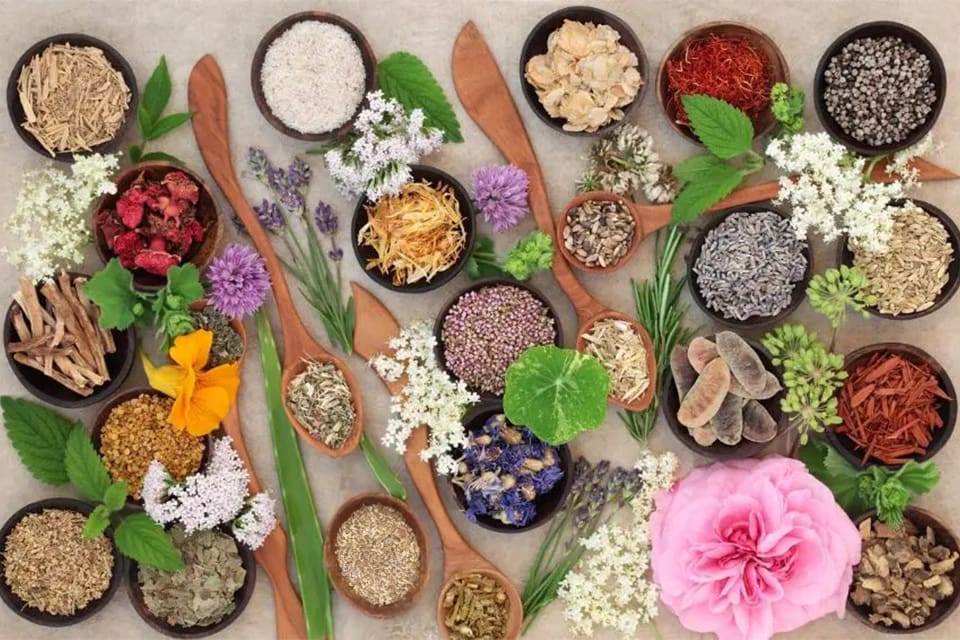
[[845, 256], [277, 30], [880, 29], [439, 349], [753, 323], [363, 252], [719, 451], [119, 364], [15, 108], [333, 567], [947, 410], [21, 608], [547, 505], [763, 123], [943, 609], [536, 44], [241, 598]]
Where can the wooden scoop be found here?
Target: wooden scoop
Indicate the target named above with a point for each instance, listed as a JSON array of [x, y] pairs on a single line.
[[485, 96], [376, 326], [208, 103]]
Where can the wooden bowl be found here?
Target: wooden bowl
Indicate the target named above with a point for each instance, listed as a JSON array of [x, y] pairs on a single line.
[[277, 30], [208, 214], [943, 609], [947, 410], [536, 44], [364, 253], [753, 323], [15, 108], [764, 122], [845, 256], [603, 196], [21, 608], [880, 29], [119, 364], [670, 400], [241, 598], [336, 574], [440, 349], [514, 613], [646, 398], [547, 505]]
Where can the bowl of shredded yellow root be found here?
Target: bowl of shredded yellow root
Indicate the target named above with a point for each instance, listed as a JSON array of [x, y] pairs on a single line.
[[419, 238]]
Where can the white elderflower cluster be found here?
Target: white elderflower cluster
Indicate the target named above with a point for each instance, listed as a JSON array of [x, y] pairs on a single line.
[[257, 520], [429, 398]]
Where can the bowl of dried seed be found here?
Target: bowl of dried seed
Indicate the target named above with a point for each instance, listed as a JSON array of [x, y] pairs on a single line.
[[376, 554], [475, 604], [906, 581], [599, 232], [920, 271], [52, 576], [72, 94]]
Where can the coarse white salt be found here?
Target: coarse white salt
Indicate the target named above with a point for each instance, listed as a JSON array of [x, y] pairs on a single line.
[[313, 77]]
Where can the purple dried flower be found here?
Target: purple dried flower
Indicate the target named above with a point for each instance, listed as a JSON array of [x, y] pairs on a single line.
[[238, 281], [325, 219], [293, 201], [299, 174], [277, 179], [268, 213], [257, 161], [500, 193], [335, 254]]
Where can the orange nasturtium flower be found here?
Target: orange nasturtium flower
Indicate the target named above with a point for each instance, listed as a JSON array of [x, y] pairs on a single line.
[[201, 398]]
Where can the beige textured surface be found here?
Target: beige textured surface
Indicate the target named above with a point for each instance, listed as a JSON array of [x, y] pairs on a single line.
[[230, 29]]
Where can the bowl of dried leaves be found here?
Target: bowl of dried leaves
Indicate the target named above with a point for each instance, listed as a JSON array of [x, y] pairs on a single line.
[[57, 348], [907, 576], [71, 94]]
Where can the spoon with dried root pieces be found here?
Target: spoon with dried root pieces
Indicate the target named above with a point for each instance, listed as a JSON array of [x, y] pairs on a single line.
[[208, 103], [485, 96], [376, 326]]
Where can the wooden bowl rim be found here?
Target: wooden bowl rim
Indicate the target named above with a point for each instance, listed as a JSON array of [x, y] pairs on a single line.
[[644, 400], [514, 613], [639, 233]]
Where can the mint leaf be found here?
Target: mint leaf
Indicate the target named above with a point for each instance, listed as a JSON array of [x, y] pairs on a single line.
[[695, 166], [84, 466], [160, 155], [111, 289], [710, 187], [140, 538], [918, 478], [404, 77], [184, 281], [97, 522], [115, 496], [39, 436], [156, 93], [167, 124], [725, 130]]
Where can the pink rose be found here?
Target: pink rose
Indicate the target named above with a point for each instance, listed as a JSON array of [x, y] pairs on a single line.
[[751, 548]]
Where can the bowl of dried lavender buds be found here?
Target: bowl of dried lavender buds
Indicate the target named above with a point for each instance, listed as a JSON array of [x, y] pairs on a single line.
[[897, 404], [57, 348], [906, 581], [507, 479], [52, 576], [160, 216], [92, 103]]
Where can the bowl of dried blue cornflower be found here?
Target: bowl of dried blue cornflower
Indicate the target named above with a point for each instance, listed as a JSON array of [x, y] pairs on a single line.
[[508, 480]]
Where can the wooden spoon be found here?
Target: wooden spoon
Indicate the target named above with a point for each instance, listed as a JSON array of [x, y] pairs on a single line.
[[485, 96], [208, 103], [376, 326]]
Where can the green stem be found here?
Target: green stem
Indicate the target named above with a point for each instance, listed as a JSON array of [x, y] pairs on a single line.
[[385, 475]]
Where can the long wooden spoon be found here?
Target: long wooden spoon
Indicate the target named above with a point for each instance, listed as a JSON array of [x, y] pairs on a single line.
[[376, 326], [485, 96], [208, 102]]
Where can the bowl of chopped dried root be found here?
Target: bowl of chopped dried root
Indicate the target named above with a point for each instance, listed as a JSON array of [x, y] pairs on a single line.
[[72, 94], [57, 348]]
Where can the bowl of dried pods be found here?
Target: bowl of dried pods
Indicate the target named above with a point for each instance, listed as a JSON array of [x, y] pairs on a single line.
[[599, 231], [57, 348], [72, 94], [907, 577]]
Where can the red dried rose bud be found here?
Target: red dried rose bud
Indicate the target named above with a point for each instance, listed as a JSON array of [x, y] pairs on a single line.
[[157, 262], [181, 187], [109, 224], [127, 246], [130, 211]]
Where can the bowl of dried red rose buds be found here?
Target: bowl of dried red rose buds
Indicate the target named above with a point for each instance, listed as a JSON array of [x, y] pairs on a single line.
[[161, 215]]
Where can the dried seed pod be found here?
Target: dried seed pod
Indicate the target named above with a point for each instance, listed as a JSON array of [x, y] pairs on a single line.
[[684, 374], [728, 423], [704, 436], [700, 352], [745, 365], [771, 387], [705, 397], [758, 424]]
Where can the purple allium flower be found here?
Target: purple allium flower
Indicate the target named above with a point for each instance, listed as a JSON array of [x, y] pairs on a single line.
[[299, 174], [257, 161], [268, 213], [325, 219], [500, 192], [238, 281]]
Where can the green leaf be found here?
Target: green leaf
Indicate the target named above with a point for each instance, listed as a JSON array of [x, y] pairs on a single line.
[[39, 436], [112, 290], [97, 522], [184, 281], [115, 496], [556, 393], [84, 466], [156, 93], [140, 538], [382, 471], [710, 187], [135, 153], [723, 129], [695, 166], [483, 262], [154, 156], [404, 77], [167, 124], [918, 477], [143, 121]]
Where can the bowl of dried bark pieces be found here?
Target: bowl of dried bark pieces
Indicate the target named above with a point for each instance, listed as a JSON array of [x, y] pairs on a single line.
[[906, 580], [57, 348]]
